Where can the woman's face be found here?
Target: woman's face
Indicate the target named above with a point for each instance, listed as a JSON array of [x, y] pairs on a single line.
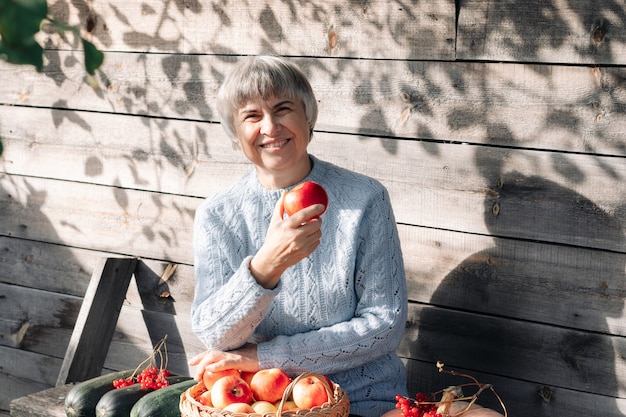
[[274, 135]]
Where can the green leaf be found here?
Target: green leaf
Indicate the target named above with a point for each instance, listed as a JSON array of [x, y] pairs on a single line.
[[20, 20], [26, 53], [93, 57]]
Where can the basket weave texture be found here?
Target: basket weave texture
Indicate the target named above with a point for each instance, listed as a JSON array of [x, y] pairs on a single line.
[[337, 406]]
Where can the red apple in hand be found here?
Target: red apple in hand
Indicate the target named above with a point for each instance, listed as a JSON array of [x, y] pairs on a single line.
[[309, 392], [209, 378], [304, 195], [230, 389], [269, 384]]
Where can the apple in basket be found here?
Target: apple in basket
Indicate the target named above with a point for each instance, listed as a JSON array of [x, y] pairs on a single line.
[[244, 408], [269, 384], [230, 389], [247, 376], [209, 378], [287, 405], [264, 407], [309, 392], [205, 399]]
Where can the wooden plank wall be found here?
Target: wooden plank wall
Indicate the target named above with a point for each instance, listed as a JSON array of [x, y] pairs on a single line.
[[497, 126]]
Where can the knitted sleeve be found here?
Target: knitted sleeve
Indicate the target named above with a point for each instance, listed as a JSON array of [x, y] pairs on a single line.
[[379, 318], [228, 303]]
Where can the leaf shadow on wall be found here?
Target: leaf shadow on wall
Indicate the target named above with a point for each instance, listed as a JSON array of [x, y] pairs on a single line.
[[540, 310]]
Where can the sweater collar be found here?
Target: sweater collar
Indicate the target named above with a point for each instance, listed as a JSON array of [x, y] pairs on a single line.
[[316, 174]]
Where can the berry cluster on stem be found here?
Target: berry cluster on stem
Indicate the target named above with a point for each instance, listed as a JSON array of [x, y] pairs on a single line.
[[426, 406], [152, 376]]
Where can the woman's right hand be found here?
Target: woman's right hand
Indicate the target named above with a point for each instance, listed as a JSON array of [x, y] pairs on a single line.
[[287, 242]]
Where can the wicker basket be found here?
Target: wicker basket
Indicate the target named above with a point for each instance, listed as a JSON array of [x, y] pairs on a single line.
[[337, 406]]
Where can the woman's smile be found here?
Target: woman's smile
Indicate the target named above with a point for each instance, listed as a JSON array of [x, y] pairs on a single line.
[[275, 144]]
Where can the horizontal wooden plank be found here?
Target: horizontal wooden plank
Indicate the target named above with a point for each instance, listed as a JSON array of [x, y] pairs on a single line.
[[107, 219], [488, 190], [27, 370], [47, 403], [37, 321], [579, 31], [497, 191], [564, 108], [504, 277], [175, 157], [521, 398], [38, 265], [544, 355], [354, 29], [542, 283], [23, 373]]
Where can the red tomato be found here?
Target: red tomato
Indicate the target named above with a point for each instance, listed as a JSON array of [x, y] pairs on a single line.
[[304, 195]]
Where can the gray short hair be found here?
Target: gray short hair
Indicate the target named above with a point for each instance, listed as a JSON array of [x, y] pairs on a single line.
[[266, 77]]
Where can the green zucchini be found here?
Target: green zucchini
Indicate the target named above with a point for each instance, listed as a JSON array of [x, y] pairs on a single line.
[[119, 402], [163, 402], [82, 398]]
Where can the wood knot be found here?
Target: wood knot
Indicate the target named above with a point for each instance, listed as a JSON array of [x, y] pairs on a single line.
[[332, 38], [90, 24], [545, 393], [495, 209], [598, 35]]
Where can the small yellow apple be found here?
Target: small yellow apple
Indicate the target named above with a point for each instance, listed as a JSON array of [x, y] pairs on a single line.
[[287, 405], [239, 408], [262, 407]]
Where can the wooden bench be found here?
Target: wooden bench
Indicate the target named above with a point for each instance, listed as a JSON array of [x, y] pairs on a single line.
[[97, 320]]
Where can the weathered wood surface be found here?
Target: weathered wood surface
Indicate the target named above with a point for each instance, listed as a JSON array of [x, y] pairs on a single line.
[[47, 267], [564, 108], [506, 170], [383, 29], [48, 403], [576, 31], [580, 31], [522, 398], [551, 356], [24, 372]]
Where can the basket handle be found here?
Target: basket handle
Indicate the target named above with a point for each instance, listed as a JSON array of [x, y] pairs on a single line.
[[289, 389]]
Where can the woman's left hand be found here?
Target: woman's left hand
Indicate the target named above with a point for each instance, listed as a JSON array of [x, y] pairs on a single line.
[[244, 359]]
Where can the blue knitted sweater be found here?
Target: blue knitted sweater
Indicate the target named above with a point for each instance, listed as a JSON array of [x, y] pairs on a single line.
[[340, 312]]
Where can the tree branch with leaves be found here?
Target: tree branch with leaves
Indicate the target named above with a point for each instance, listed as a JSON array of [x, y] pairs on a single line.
[[21, 21]]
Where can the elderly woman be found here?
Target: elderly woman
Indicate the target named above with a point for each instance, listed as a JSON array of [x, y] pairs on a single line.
[[326, 295]]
